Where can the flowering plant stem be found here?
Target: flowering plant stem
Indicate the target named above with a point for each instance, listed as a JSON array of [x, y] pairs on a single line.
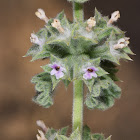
[[78, 13], [78, 16], [77, 104]]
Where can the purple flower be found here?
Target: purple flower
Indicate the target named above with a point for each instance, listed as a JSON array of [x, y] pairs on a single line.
[[57, 70], [90, 72]]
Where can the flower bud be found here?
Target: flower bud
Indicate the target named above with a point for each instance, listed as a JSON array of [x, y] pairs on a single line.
[[42, 125], [41, 14], [56, 24], [42, 135], [91, 22], [34, 39], [114, 17], [39, 41], [122, 43]]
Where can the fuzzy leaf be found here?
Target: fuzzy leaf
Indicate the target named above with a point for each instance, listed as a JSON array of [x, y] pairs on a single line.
[[32, 51], [66, 82], [101, 72], [54, 82], [47, 68], [86, 133], [75, 135], [63, 131], [105, 102], [44, 89], [96, 90], [100, 21], [91, 102], [51, 133], [58, 48], [81, 45], [61, 137], [60, 16], [98, 137], [65, 22], [41, 55], [128, 50], [104, 83], [105, 33], [89, 83], [96, 61], [103, 94]]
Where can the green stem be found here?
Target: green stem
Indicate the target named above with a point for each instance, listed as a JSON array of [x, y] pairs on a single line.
[[78, 16], [77, 104], [78, 13]]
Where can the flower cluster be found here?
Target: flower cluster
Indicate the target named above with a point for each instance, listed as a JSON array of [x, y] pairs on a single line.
[[70, 47]]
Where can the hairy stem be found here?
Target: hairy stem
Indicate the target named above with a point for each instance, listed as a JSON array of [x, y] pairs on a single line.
[[78, 13], [78, 104], [78, 16]]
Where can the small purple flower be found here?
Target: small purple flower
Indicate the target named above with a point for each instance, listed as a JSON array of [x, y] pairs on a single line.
[[90, 72], [57, 70]]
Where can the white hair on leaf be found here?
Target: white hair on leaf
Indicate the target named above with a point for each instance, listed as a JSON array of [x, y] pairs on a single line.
[[65, 35]]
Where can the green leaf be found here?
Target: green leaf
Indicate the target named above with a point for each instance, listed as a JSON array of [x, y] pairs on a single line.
[[96, 90], [89, 83], [43, 99], [91, 102], [58, 48], [41, 55], [104, 83], [50, 133], [44, 89], [60, 16], [128, 50], [63, 131], [98, 137], [103, 94], [125, 56], [61, 137], [100, 21], [101, 72], [105, 33], [96, 61], [105, 102], [32, 51], [47, 68], [111, 69], [75, 135], [113, 90], [86, 133], [81, 45], [65, 22], [66, 82], [55, 81]]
